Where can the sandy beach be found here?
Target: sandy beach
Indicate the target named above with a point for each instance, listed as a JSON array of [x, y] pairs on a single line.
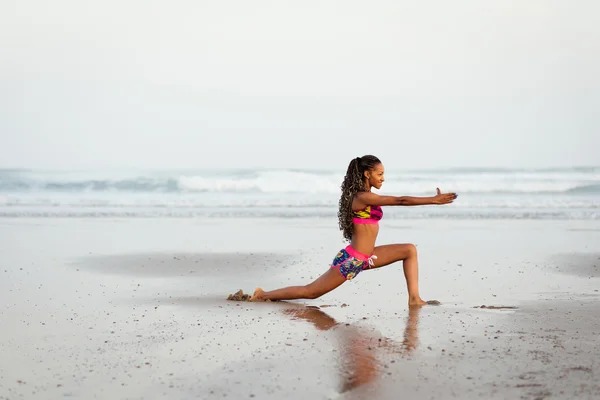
[[137, 309]]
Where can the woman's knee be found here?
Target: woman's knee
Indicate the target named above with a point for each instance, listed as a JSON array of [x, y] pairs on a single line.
[[411, 250]]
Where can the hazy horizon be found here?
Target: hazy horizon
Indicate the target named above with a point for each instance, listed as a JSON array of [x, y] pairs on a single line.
[[230, 85], [394, 171]]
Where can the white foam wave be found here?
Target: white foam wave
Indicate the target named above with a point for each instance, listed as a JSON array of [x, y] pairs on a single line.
[[274, 200], [266, 182], [296, 213], [299, 182]]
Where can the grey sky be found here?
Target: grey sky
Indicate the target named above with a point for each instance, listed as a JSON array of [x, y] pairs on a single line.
[[184, 84]]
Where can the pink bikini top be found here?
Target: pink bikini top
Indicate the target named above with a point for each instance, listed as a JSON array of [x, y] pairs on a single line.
[[368, 215]]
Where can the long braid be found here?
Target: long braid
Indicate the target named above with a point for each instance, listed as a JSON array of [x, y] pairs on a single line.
[[353, 182]]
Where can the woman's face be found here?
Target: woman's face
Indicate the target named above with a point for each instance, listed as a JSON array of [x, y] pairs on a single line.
[[375, 176]]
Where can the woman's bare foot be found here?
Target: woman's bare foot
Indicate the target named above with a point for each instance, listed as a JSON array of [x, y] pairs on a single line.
[[417, 302], [257, 296]]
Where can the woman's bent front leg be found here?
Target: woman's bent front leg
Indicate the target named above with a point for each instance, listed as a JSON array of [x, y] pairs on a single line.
[[323, 284], [407, 253]]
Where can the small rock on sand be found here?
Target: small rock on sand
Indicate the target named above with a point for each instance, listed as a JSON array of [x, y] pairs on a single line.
[[239, 296]]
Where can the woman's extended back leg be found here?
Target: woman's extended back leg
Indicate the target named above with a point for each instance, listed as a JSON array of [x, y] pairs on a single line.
[[323, 284]]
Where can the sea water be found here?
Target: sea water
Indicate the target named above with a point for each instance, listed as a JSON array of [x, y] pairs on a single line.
[[556, 193]]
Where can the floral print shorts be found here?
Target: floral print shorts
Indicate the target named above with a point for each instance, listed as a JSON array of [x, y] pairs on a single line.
[[351, 262]]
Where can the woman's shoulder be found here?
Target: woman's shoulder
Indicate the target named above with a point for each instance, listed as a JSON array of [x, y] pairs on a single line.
[[362, 200], [365, 197], [373, 199]]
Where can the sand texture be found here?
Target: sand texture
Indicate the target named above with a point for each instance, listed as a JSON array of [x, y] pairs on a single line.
[[151, 309]]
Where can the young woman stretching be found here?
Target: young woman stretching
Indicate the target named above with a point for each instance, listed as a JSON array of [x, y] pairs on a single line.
[[359, 214]]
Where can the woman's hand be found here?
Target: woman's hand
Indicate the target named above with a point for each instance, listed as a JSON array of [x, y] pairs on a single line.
[[444, 198]]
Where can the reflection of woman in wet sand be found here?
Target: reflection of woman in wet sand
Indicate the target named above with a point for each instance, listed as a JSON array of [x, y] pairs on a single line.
[[357, 345], [359, 214]]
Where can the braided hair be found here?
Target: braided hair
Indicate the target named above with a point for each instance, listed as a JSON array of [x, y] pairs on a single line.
[[354, 182]]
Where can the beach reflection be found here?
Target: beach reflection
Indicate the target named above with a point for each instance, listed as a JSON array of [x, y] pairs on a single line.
[[363, 352]]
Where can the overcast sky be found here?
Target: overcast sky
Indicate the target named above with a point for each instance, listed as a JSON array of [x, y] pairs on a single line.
[[196, 84]]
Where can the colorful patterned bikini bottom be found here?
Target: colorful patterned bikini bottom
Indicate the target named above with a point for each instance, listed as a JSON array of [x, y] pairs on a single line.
[[351, 262]]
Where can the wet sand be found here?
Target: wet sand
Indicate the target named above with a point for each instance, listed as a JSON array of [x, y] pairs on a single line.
[[138, 309]]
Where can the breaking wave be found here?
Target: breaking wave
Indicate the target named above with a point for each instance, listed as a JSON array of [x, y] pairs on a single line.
[[549, 181]]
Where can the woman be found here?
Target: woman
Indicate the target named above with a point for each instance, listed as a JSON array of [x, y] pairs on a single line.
[[359, 215]]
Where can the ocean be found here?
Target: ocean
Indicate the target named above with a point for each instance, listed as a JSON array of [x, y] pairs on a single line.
[[553, 193]]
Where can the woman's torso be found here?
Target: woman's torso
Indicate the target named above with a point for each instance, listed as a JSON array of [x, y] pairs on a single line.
[[366, 227]]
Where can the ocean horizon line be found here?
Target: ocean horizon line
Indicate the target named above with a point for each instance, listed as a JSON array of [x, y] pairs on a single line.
[[463, 169]]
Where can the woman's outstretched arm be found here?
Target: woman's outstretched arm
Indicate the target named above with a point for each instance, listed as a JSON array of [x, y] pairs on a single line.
[[373, 199]]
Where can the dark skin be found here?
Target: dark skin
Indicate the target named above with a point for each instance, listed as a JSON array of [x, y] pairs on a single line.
[[363, 240]]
